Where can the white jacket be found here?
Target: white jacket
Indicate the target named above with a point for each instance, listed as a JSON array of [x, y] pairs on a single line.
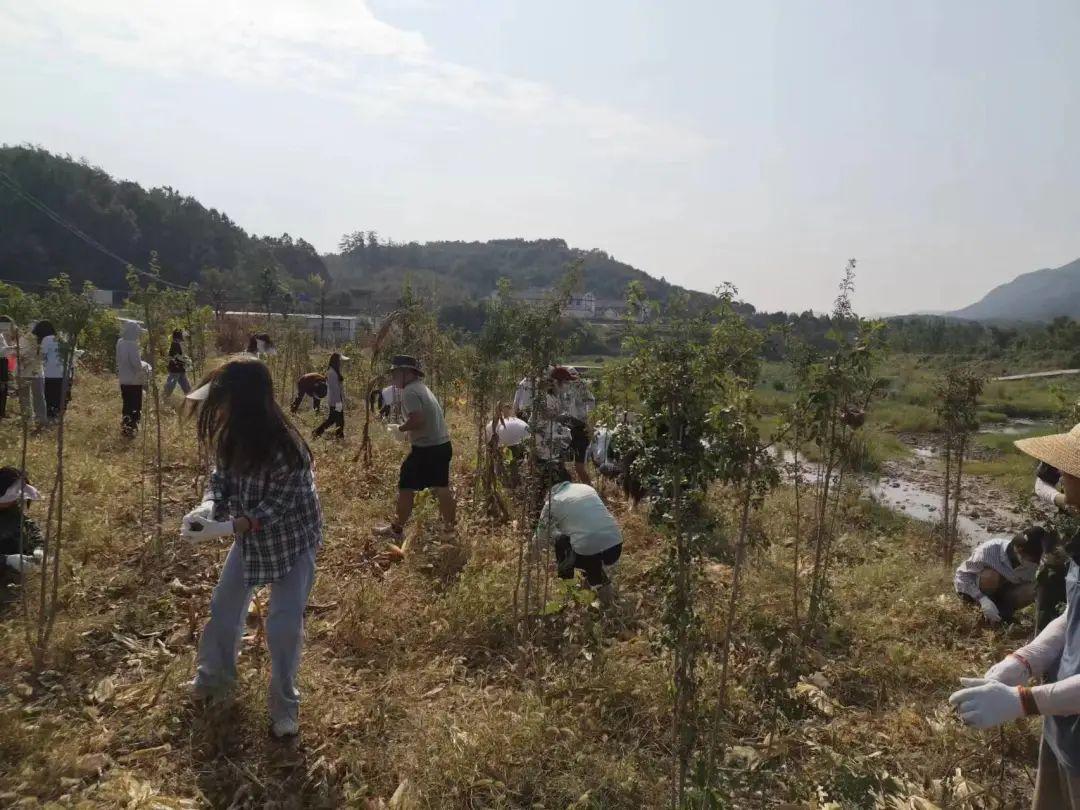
[[129, 365]]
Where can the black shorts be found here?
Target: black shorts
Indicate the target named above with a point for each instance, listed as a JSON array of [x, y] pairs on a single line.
[[579, 443], [426, 467], [591, 564]]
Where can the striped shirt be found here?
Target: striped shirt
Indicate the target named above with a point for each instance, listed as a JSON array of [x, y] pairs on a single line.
[[285, 508], [991, 554]]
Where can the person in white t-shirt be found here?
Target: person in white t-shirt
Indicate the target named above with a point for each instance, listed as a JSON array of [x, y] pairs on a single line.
[[52, 365]]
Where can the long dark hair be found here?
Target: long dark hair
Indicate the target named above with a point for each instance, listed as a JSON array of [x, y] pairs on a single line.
[[242, 425], [42, 329], [335, 364]]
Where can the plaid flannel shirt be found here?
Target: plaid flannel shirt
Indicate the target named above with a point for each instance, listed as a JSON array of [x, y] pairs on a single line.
[[284, 506]]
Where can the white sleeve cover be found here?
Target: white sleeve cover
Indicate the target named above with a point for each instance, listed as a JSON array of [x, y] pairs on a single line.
[[1061, 698], [1044, 649], [1045, 492]]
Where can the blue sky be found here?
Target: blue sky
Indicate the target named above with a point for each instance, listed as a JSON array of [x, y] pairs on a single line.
[[762, 143]]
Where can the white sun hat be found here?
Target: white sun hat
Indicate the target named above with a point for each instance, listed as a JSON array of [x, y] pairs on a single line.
[[199, 394], [13, 492]]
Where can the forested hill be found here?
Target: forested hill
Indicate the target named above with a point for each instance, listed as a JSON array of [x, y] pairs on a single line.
[[1039, 296], [127, 220], [469, 271]]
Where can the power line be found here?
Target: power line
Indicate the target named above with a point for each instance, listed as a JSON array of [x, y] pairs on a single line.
[[78, 232]]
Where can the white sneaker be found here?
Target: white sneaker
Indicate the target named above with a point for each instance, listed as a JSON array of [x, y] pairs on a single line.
[[388, 532], [285, 728]]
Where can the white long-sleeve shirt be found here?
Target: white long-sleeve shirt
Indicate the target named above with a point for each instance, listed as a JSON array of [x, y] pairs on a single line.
[[1061, 698], [335, 394], [576, 510], [523, 396], [1045, 492]]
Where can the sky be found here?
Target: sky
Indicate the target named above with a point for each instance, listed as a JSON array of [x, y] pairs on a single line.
[[704, 141]]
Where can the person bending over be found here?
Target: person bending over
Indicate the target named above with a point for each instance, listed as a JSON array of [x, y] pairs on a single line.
[[585, 536], [309, 385]]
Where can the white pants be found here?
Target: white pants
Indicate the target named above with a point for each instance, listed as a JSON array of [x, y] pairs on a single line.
[[220, 642]]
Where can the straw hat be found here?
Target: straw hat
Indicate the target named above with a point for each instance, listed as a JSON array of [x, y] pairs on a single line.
[[1061, 450]]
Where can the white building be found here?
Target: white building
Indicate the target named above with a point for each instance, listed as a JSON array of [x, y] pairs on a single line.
[[586, 307], [333, 329]]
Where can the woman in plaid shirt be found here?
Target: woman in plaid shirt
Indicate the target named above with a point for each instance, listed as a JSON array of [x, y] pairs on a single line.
[[262, 490]]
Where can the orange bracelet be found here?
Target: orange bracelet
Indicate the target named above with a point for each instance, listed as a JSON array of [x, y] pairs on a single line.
[[1027, 701]]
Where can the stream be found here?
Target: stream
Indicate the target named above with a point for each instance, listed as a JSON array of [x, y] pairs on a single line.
[[912, 486]]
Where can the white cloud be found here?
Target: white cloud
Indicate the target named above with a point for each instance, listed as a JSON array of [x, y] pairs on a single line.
[[331, 47]]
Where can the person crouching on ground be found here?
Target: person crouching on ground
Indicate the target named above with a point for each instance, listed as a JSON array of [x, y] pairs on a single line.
[[999, 576], [20, 537], [262, 491], [575, 521], [335, 397], [309, 385], [428, 464], [1002, 694]]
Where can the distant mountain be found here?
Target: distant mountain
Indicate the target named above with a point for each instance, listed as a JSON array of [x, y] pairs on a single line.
[[461, 272], [1039, 296], [59, 215], [38, 188]]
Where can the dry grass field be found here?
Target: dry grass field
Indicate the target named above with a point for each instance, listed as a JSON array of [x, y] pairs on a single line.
[[420, 690]]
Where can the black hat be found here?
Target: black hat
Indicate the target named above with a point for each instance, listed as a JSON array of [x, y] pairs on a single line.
[[405, 361]]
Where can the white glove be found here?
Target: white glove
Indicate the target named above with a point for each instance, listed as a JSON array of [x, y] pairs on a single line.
[[985, 704], [340, 407], [197, 529], [204, 511], [1010, 671], [20, 562], [989, 609]]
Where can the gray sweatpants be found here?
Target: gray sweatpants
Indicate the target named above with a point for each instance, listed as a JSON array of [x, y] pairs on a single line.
[[220, 643]]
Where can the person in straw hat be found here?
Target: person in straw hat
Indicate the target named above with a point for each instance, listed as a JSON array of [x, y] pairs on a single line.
[[1002, 694], [428, 464]]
